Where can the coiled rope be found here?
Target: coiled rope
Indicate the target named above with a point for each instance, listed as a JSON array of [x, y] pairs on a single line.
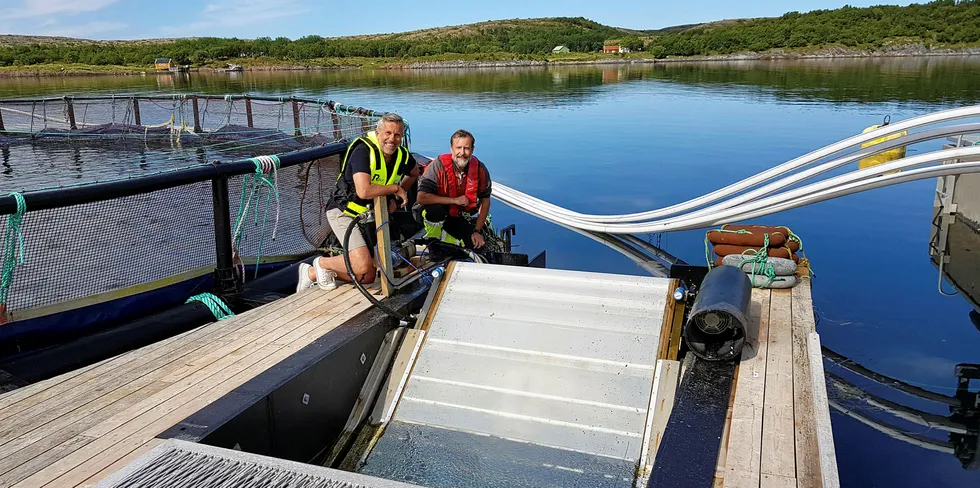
[[214, 304], [252, 185], [13, 246]]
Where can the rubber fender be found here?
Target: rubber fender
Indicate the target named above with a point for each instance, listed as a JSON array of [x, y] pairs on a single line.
[[781, 266], [715, 328], [783, 231], [778, 252], [779, 282], [889, 155], [755, 237]]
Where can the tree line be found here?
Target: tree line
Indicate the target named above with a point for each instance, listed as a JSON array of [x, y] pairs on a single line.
[[940, 22]]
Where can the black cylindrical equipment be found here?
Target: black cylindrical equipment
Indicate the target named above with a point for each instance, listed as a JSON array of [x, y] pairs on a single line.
[[715, 328]]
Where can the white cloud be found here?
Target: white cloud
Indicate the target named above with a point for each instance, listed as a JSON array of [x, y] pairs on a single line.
[[38, 8], [84, 30], [236, 13]]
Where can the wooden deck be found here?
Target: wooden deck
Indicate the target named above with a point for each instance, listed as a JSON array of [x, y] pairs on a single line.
[[779, 432], [77, 428]]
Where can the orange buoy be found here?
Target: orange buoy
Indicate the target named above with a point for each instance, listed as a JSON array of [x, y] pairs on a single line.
[[753, 236]]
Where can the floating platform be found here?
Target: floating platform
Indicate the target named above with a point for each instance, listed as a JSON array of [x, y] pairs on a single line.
[[512, 376], [74, 429]]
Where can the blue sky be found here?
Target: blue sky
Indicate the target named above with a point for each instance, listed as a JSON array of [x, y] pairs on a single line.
[[138, 19]]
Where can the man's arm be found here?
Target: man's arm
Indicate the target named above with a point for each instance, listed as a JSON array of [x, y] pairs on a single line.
[[409, 179], [481, 218], [425, 198], [367, 190]]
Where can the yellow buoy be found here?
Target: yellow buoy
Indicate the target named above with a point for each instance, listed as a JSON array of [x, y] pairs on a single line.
[[884, 157]]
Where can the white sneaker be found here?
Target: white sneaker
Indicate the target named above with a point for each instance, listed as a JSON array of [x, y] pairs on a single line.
[[304, 282], [325, 278]]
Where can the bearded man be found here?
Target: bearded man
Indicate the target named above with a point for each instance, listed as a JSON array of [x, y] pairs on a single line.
[[453, 187]]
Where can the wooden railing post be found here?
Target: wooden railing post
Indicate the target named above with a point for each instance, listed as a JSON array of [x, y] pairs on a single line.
[[296, 118], [136, 112], [197, 118], [383, 234], [71, 112], [248, 111]]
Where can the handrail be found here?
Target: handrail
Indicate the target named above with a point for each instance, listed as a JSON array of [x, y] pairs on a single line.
[[97, 192]]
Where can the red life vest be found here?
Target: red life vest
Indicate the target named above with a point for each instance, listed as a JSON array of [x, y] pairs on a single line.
[[452, 187]]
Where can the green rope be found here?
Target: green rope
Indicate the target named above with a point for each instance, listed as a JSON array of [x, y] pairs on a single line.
[[251, 186], [214, 304], [707, 243], [13, 242], [760, 263]]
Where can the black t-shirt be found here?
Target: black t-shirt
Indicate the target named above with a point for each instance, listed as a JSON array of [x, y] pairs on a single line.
[[360, 162]]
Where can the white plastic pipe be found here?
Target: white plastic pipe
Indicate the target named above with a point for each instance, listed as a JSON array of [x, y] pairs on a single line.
[[516, 197], [765, 205]]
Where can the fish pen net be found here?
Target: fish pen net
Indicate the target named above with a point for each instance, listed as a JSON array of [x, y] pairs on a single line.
[[112, 245]]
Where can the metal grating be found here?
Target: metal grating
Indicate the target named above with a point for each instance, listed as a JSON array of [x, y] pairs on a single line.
[[177, 464]]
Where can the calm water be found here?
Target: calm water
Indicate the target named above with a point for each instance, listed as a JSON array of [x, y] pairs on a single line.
[[630, 138]]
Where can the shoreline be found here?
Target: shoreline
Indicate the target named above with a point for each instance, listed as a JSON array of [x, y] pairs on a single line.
[[37, 71]]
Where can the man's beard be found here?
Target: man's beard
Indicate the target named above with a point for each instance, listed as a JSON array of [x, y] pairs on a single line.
[[461, 162]]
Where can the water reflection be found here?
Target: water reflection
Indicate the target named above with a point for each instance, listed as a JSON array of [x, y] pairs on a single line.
[[950, 80]]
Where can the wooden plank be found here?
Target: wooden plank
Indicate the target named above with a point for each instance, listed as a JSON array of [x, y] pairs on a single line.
[[187, 403], [208, 333], [401, 369], [44, 459], [675, 334], [663, 345], [348, 289], [807, 454], [80, 380], [665, 379], [821, 408], [778, 444], [121, 463], [745, 431], [803, 306], [776, 481], [139, 369], [383, 233], [39, 440], [130, 429], [440, 291]]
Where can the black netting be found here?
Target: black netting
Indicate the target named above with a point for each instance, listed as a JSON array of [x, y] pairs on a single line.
[[83, 250]]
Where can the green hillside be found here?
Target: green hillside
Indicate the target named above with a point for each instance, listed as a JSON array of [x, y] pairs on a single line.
[[935, 24]]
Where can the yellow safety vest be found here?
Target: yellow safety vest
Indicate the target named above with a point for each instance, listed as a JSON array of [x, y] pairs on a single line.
[[379, 172]]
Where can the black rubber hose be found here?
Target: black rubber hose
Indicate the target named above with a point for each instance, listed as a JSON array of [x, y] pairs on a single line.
[[350, 272]]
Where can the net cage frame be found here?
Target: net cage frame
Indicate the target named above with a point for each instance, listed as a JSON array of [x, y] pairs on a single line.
[[46, 207]]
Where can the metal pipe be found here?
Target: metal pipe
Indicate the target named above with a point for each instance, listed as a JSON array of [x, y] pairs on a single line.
[[925, 419], [890, 382], [893, 431], [224, 271]]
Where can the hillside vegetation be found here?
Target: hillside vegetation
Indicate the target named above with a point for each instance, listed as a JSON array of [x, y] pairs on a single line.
[[935, 24]]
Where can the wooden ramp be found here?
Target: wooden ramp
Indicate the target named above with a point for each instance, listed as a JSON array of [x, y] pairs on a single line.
[[779, 433], [77, 428]]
